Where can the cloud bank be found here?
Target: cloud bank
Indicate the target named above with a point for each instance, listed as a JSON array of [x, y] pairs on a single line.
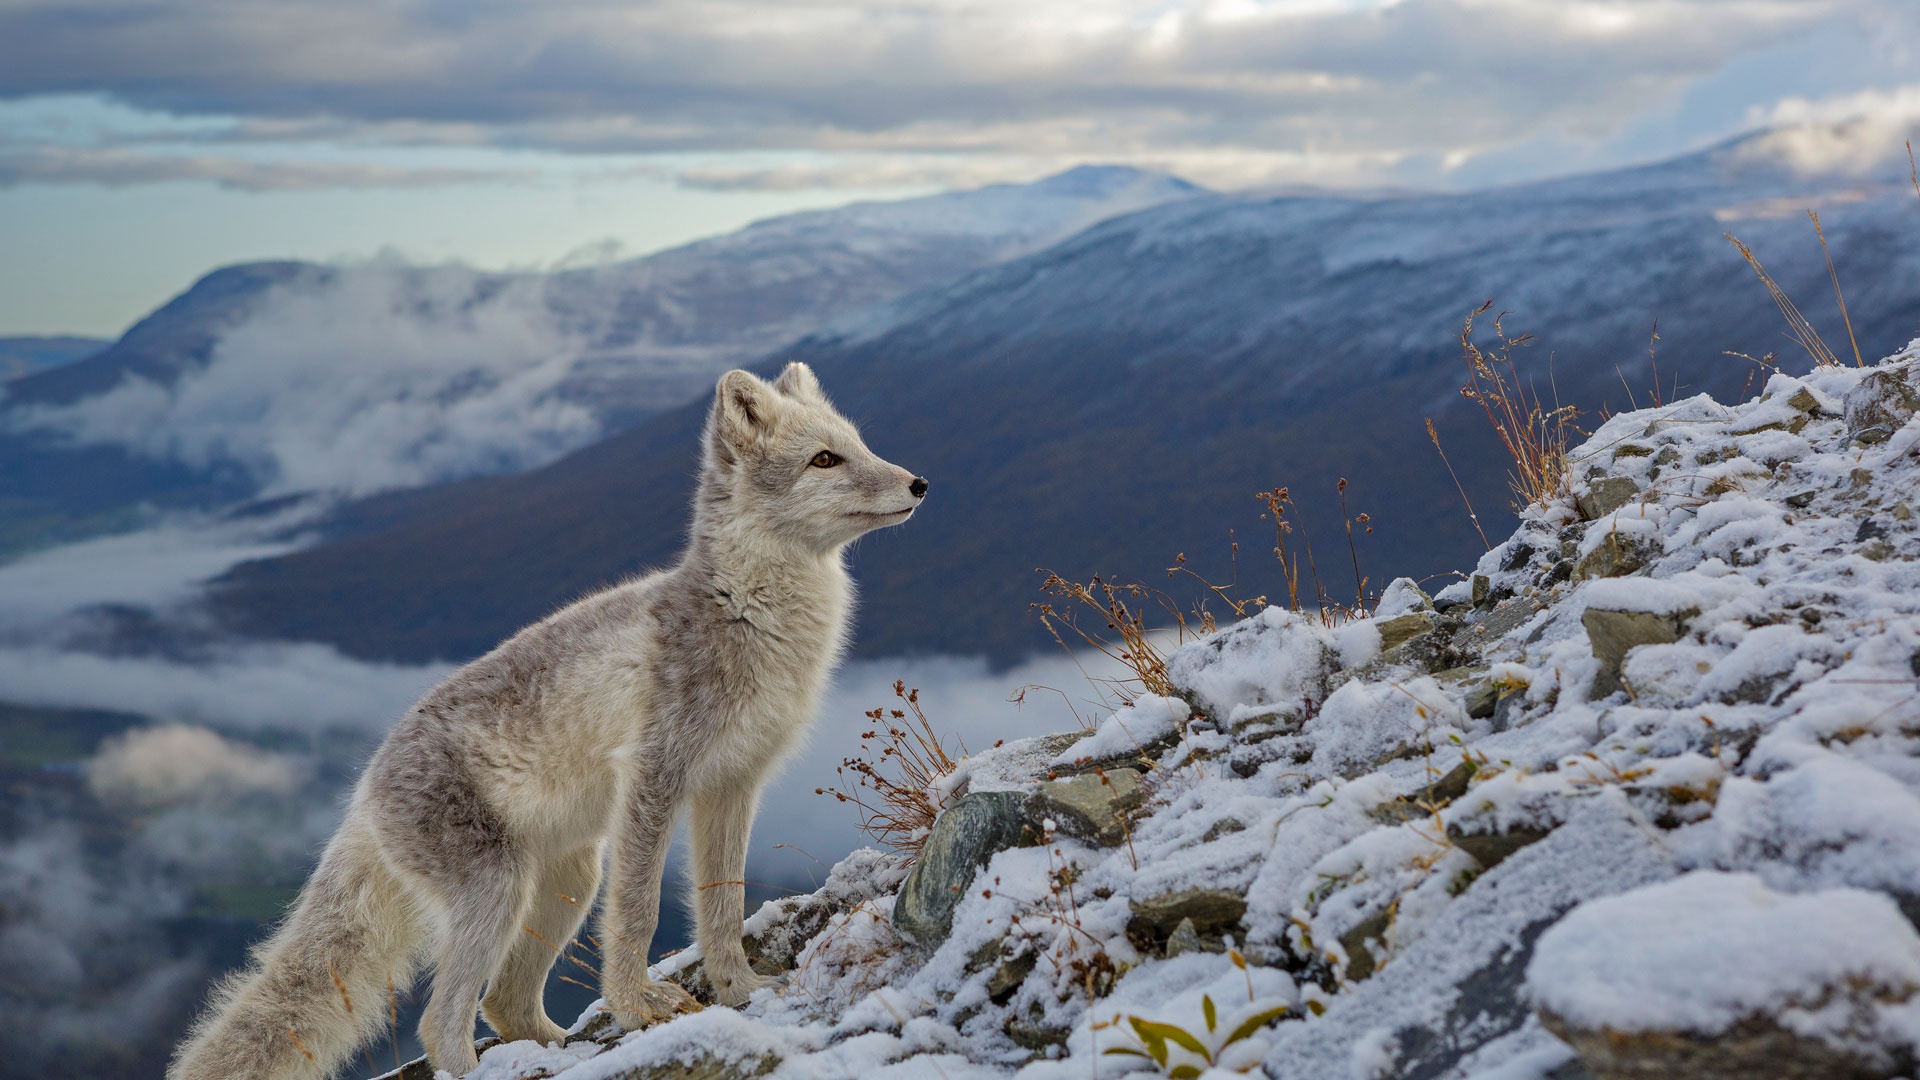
[[383, 377], [1221, 90]]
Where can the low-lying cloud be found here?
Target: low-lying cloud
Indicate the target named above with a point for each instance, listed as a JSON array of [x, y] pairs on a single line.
[[155, 767], [382, 377]]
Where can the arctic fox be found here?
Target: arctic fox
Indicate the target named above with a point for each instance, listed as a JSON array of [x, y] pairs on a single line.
[[474, 839]]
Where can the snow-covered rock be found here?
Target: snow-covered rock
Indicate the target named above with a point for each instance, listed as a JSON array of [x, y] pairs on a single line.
[[1672, 797]]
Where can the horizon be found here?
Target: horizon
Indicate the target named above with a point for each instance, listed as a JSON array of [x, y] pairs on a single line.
[[142, 144]]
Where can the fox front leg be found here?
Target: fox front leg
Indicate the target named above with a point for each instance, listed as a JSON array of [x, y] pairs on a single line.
[[633, 911], [722, 821]]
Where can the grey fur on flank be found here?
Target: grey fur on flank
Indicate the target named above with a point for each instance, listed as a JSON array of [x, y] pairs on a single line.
[[496, 797]]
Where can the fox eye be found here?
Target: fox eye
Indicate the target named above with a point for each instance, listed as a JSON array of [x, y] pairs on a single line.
[[825, 459]]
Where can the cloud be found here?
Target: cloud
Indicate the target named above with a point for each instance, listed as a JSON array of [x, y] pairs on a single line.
[[115, 167], [301, 687], [1853, 134], [155, 767], [382, 377], [1409, 88]]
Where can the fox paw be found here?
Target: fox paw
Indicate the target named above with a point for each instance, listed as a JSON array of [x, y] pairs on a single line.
[[652, 1002], [734, 990]]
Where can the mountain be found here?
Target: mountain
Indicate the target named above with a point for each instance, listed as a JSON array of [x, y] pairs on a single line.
[[28, 355], [1107, 403], [283, 378]]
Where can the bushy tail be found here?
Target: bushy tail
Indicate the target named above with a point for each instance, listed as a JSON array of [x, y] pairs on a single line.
[[318, 987]]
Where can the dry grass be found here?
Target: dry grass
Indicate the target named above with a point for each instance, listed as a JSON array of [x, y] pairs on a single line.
[[1108, 601], [1802, 331], [894, 773], [1535, 436]]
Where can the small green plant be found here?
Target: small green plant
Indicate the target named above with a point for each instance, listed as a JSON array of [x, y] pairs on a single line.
[[1184, 1055]]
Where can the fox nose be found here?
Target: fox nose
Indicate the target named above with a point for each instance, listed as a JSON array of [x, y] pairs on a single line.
[[918, 487]]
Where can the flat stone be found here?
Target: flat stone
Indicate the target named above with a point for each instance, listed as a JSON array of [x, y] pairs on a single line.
[[1401, 629], [1614, 633], [705, 1067], [964, 837], [1490, 849], [1211, 911], [1750, 1050], [1605, 495], [1095, 807], [1034, 1035]]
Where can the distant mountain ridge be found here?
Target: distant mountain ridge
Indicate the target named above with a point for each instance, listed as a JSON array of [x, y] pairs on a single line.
[[29, 354], [1099, 406], [283, 377]]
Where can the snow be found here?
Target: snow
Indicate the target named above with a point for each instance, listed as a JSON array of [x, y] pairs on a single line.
[[1706, 950], [1735, 831]]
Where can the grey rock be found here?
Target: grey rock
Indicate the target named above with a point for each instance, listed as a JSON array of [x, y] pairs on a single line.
[[964, 837], [1800, 500], [1480, 700], [1184, 939], [1360, 959], [704, 1067], [1482, 587], [1883, 402], [1605, 495], [1616, 556], [1095, 807], [1757, 1047], [1211, 911], [1614, 633], [1007, 977], [1033, 1033], [1490, 849], [1507, 618]]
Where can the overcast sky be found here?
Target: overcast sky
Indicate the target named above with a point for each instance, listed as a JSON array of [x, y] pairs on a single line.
[[145, 141]]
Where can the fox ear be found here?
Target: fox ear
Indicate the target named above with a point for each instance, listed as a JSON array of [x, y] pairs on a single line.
[[742, 411], [798, 381]]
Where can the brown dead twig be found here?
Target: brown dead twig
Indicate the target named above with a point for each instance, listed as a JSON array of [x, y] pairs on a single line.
[[1534, 435], [893, 775]]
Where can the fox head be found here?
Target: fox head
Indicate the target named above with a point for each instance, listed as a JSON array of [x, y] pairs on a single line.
[[780, 460]]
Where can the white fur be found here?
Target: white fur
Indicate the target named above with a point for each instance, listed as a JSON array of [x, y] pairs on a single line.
[[476, 835]]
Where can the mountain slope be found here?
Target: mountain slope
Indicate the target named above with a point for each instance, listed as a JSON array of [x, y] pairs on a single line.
[[1104, 404], [285, 378], [27, 355]]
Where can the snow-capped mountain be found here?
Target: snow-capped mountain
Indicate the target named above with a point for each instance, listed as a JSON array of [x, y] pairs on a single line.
[[1114, 400], [289, 377]]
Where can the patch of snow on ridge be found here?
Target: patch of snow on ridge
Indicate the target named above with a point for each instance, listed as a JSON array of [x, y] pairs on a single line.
[[1707, 950], [1670, 791]]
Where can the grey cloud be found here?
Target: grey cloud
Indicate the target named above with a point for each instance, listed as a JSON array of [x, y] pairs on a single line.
[[1399, 81], [119, 167]]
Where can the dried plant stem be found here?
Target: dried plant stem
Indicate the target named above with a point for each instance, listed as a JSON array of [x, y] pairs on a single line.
[[1834, 276], [1475, 518], [1802, 330], [1535, 437], [902, 807]]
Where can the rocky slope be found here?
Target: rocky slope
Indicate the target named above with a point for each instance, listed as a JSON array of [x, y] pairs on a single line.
[[1637, 797]]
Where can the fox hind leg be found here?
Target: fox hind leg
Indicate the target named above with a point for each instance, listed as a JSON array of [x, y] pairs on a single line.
[[561, 896], [483, 910]]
